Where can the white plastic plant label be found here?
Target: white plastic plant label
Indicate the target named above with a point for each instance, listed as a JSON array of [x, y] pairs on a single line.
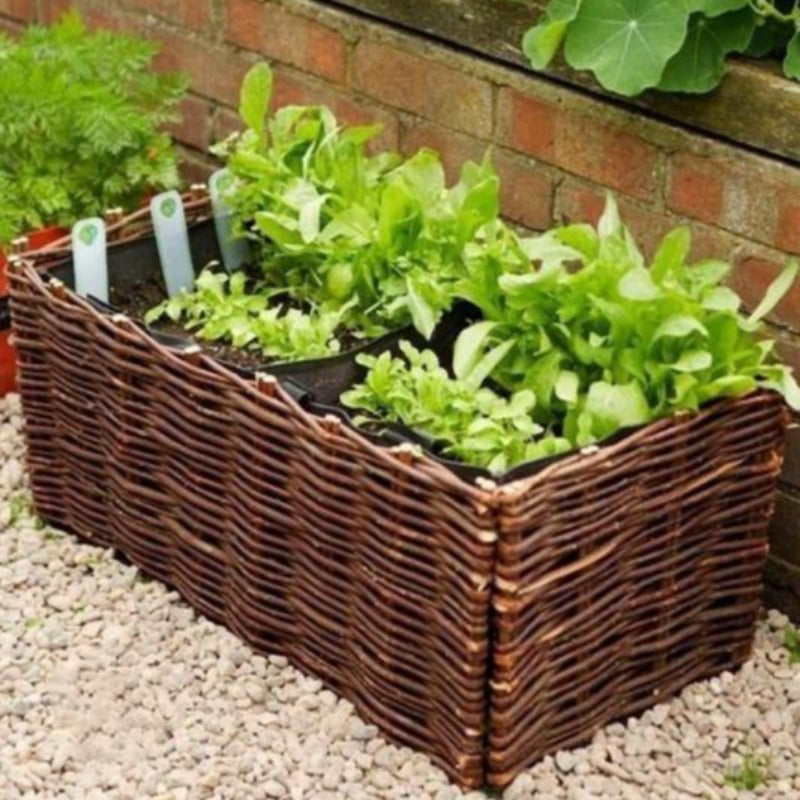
[[90, 258], [235, 251], [172, 239]]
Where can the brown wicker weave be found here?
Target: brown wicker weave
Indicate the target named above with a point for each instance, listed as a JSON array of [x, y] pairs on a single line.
[[483, 625]]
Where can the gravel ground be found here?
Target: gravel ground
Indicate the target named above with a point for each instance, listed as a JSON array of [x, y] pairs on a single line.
[[111, 687]]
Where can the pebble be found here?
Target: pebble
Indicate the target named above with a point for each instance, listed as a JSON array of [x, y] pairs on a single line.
[[111, 688]]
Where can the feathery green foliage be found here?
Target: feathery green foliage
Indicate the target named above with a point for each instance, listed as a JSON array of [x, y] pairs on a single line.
[[80, 121]]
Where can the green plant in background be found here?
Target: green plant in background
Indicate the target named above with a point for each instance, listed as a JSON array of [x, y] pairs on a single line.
[[81, 118], [669, 45], [593, 337]]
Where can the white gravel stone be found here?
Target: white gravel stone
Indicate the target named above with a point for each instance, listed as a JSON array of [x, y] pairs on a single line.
[[112, 688]]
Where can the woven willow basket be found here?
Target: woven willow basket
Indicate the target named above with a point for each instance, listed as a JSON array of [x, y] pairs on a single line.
[[484, 625]]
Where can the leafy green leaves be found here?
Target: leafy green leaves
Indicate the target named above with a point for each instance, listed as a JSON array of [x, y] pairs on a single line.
[[475, 425], [255, 96], [379, 238], [224, 308], [594, 338], [80, 119], [670, 45]]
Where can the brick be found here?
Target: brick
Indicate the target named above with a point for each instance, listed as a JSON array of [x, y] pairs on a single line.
[[195, 167], [24, 10], [787, 236], [195, 14], [696, 188], [51, 11], [788, 348], [529, 124], [750, 209], [225, 122], [11, 27], [577, 202], [428, 88], [194, 128], [752, 276], [215, 72], [273, 31], [612, 155], [526, 191], [455, 148]]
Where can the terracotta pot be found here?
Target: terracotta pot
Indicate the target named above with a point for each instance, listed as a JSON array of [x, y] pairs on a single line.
[[8, 357]]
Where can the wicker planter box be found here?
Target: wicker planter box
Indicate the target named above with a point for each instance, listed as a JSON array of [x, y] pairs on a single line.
[[484, 625]]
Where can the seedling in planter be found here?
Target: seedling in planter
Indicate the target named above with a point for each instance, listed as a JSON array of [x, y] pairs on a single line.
[[172, 238], [347, 244], [90, 258]]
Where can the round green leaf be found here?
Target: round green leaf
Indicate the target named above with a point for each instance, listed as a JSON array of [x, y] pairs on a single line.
[[542, 41], [700, 64], [791, 64], [626, 43]]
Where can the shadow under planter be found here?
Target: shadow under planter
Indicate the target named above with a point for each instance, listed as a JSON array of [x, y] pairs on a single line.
[[485, 625]]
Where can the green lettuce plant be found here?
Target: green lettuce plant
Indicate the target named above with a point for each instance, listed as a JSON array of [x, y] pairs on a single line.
[[669, 45], [224, 308], [357, 243], [81, 122], [376, 236], [594, 337], [475, 425]]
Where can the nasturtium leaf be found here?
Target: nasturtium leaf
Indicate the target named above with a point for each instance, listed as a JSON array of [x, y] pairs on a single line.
[[626, 43], [700, 63], [791, 64], [255, 97], [542, 41]]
